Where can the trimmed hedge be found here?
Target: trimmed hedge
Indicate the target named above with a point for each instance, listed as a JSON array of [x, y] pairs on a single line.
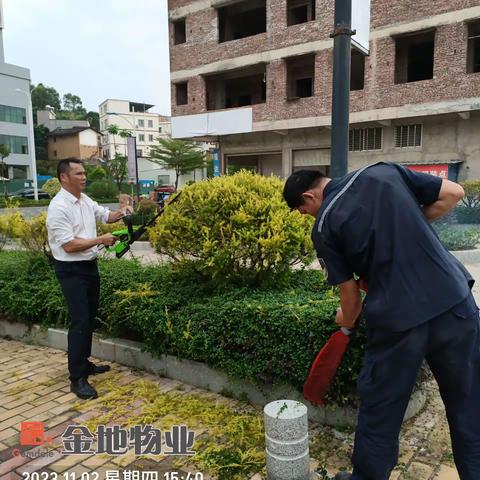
[[262, 335], [469, 215], [455, 238]]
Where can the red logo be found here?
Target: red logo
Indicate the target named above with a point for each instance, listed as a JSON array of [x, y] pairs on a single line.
[[33, 433]]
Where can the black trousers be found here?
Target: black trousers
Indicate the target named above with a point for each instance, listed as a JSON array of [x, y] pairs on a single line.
[[450, 343], [80, 284]]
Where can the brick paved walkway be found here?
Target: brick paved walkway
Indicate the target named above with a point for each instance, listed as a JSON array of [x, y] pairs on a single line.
[[34, 387]]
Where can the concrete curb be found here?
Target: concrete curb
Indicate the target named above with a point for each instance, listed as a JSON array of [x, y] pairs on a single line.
[[198, 374], [467, 256]]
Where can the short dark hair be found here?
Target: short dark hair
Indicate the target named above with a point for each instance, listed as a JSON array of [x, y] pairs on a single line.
[[299, 182], [64, 165]]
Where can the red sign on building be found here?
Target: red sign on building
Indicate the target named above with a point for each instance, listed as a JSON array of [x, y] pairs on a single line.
[[437, 170]]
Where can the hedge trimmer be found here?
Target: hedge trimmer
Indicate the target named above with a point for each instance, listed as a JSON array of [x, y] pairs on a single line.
[[126, 236]]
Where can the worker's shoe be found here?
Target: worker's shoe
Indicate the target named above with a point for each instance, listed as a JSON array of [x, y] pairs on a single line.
[[82, 389], [343, 476], [97, 369]]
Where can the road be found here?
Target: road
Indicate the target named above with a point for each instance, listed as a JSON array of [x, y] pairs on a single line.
[[29, 212]]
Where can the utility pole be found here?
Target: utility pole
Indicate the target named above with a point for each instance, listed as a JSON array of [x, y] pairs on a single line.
[[341, 86]]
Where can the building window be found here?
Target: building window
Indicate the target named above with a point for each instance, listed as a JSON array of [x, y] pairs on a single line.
[[179, 32], [357, 74], [181, 93], [15, 144], [139, 152], [408, 136], [141, 137], [242, 19], [300, 11], [150, 138], [54, 153], [141, 123], [150, 124], [13, 114], [159, 129], [414, 57], [300, 76], [473, 53], [364, 139]]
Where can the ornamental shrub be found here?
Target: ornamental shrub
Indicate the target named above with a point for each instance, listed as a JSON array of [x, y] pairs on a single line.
[[455, 238], [472, 193], [52, 186], [265, 335], [468, 215], [101, 189], [234, 229]]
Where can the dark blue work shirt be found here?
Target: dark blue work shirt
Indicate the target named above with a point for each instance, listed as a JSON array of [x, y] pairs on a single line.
[[377, 230]]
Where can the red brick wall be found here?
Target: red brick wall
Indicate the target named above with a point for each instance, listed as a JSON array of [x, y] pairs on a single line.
[[450, 78]]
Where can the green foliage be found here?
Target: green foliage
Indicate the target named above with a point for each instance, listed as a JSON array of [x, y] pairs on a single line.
[[455, 238], [43, 96], [95, 172], [472, 193], [52, 186], [117, 168], [100, 189], [40, 134], [73, 105], [234, 229], [93, 118], [468, 215], [4, 153], [257, 334], [180, 155]]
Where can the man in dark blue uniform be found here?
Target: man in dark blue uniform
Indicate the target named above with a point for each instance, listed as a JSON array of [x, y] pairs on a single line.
[[374, 223]]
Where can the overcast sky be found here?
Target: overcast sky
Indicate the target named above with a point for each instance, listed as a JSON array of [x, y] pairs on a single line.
[[95, 49]]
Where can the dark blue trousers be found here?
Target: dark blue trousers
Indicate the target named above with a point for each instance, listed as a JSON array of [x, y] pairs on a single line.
[[80, 284], [450, 343]]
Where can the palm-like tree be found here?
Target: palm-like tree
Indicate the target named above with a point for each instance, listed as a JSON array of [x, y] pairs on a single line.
[[179, 155]]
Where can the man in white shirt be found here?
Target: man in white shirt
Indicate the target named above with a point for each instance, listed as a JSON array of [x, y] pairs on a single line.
[[72, 235]]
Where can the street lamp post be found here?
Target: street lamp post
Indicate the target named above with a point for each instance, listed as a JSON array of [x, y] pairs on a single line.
[[135, 150], [31, 141]]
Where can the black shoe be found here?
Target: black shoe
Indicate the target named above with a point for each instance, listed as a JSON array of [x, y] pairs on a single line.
[[343, 476], [97, 369], [82, 389]]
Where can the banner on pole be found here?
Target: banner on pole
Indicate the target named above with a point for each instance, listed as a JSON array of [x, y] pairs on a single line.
[[131, 157]]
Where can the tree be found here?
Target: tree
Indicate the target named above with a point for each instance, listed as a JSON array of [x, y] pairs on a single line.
[[40, 134], [114, 130], [179, 155], [73, 107], [118, 169], [43, 96], [94, 119], [4, 153]]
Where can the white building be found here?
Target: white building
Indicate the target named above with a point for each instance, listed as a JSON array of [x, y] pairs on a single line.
[[16, 121], [48, 119], [148, 126]]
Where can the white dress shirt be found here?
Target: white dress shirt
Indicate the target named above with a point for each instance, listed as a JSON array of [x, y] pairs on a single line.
[[69, 217]]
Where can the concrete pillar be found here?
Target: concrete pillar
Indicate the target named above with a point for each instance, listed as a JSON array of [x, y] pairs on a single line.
[[287, 162], [286, 438]]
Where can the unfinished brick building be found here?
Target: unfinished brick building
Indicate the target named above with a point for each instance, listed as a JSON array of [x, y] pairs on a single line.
[[255, 75]]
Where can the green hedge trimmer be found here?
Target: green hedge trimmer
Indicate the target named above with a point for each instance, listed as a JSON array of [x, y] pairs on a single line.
[[126, 236]]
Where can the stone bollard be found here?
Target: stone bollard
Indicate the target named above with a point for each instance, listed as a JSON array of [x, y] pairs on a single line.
[[286, 438]]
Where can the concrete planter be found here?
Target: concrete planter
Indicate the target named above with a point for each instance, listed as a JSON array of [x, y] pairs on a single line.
[[131, 353]]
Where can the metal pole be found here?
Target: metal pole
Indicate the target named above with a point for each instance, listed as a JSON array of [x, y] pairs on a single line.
[[136, 169], [341, 86]]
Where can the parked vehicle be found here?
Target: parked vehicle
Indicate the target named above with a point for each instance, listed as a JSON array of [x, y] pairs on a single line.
[[28, 193]]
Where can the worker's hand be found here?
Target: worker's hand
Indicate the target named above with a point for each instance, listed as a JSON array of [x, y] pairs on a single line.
[[107, 239], [340, 321], [127, 210]]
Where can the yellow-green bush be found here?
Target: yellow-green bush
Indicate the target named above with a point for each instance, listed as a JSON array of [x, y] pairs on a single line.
[[31, 233], [234, 228], [52, 186]]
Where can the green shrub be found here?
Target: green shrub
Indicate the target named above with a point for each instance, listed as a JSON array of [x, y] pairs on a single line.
[[52, 186], [234, 228], [469, 215], [455, 238], [249, 333], [101, 189], [472, 193]]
